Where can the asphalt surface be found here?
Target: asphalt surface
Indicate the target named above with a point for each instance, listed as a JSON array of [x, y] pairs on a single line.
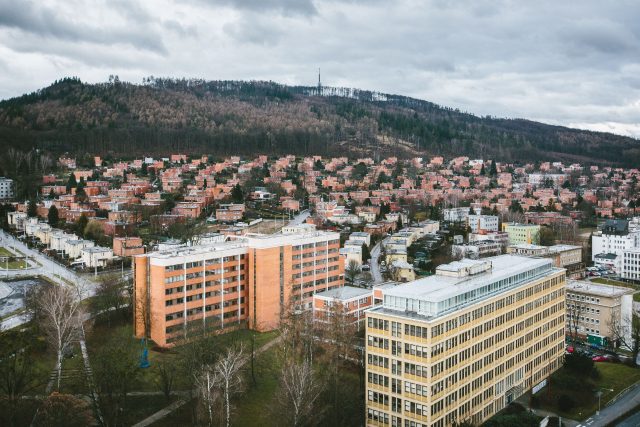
[[44, 266], [375, 266], [623, 404]]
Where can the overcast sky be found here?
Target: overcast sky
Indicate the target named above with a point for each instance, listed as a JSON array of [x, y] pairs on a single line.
[[575, 63]]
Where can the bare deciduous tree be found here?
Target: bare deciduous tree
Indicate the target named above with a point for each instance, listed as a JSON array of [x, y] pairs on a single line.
[[574, 311], [165, 379], [205, 382], [221, 380], [626, 332], [352, 270], [296, 398], [61, 320]]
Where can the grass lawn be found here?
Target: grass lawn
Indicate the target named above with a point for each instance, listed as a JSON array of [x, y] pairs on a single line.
[[613, 376], [13, 265], [252, 408], [102, 334]]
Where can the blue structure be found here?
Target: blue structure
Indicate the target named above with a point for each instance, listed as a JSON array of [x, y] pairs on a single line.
[[144, 357]]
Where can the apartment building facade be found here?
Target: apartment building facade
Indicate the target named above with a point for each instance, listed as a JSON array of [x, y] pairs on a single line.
[[593, 309], [522, 233], [464, 343], [251, 279], [6, 188], [482, 222]]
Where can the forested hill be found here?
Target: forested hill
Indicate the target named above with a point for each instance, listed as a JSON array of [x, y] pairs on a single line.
[[247, 118]]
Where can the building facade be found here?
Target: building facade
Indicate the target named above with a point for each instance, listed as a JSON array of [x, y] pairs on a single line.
[[612, 240], [6, 188], [522, 233], [464, 343], [482, 222], [251, 279], [593, 309]]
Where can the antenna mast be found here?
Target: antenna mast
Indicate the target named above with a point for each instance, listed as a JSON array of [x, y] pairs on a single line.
[[319, 84]]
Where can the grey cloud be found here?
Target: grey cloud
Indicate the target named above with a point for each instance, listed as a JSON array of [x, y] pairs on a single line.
[[31, 17], [294, 7]]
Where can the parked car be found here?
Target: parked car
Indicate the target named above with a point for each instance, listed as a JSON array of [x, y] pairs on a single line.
[[570, 349], [599, 359]]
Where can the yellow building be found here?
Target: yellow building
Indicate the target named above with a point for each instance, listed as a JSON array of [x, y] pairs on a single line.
[[522, 233], [462, 344]]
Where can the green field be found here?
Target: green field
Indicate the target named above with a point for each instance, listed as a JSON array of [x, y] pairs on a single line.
[[612, 376], [13, 264]]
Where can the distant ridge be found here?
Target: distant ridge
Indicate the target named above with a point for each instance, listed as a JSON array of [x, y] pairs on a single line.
[[163, 115]]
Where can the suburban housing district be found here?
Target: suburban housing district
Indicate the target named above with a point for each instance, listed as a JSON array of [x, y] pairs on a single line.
[[463, 286]]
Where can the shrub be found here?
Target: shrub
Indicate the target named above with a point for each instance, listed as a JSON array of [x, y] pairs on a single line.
[[566, 403]]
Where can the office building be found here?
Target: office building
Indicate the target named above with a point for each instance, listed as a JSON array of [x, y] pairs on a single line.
[[462, 344], [631, 264], [593, 309], [482, 222], [251, 279], [522, 233], [456, 214], [610, 242], [6, 188]]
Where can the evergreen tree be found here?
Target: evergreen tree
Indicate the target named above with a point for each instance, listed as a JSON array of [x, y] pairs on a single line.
[[366, 254], [482, 171], [493, 171], [237, 195], [515, 206], [53, 216], [32, 209], [81, 224], [72, 183]]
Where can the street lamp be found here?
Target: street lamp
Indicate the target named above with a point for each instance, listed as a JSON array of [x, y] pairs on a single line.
[[599, 393]]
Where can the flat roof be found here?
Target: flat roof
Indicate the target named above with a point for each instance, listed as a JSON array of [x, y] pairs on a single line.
[[527, 246], [587, 287], [560, 248], [344, 293], [437, 295]]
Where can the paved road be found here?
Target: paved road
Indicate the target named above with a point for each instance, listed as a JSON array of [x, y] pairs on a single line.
[[375, 267], [43, 266], [632, 421], [625, 403]]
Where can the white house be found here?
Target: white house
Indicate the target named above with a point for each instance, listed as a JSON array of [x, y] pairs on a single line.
[[96, 256], [73, 248]]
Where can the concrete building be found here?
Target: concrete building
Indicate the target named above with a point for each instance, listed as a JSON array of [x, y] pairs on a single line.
[[352, 251], [522, 233], [17, 219], [631, 264], [96, 256], [6, 188], [614, 238], [354, 301], [464, 343], [592, 309], [456, 214], [482, 222], [127, 246], [568, 257], [73, 248], [479, 249], [251, 279]]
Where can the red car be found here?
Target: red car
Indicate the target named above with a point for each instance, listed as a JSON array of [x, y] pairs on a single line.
[[599, 359], [570, 349]]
